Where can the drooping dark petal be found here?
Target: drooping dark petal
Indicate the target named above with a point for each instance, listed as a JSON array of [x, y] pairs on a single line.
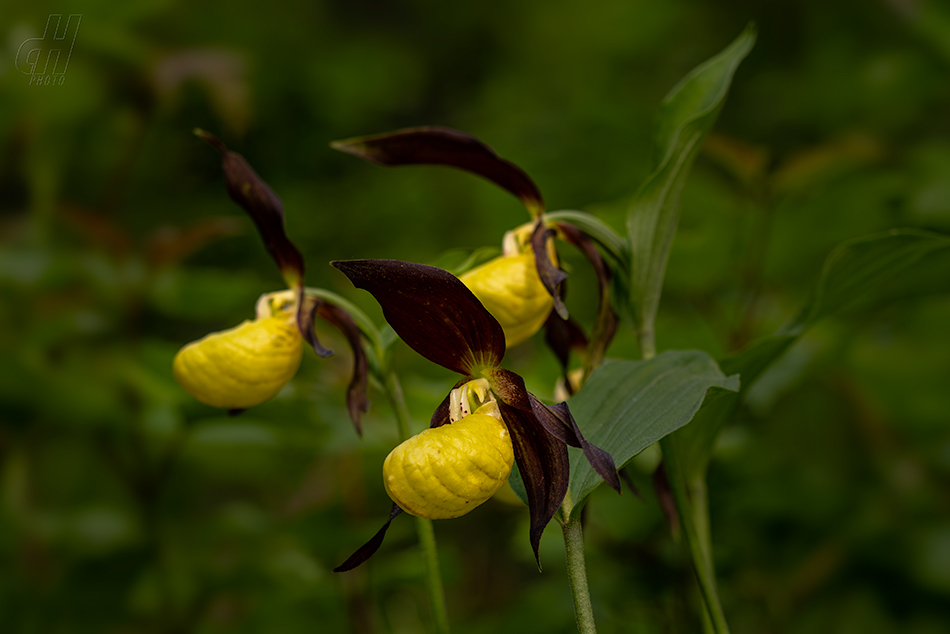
[[369, 549], [563, 335], [307, 308], [555, 419], [433, 145], [559, 417], [432, 311], [551, 276], [356, 400], [606, 325], [249, 191], [544, 465]]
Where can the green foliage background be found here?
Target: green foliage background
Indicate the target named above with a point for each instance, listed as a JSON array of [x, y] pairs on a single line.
[[125, 506]]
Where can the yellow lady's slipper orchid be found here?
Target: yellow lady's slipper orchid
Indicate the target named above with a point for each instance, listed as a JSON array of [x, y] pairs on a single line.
[[246, 365], [447, 471], [510, 288]]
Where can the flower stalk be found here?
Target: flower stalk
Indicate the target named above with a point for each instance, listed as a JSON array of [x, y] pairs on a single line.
[[573, 534]]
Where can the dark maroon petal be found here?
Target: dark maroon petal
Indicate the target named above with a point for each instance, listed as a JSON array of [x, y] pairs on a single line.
[[307, 308], [249, 191], [551, 276], [356, 400], [563, 335], [432, 145], [544, 466], [557, 419], [432, 311], [554, 419], [369, 549], [606, 325]]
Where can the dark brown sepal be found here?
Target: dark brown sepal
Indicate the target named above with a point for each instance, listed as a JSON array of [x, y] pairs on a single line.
[[250, 191], [606, 325], [557, 419], [357, 402], [307, 308], [544, 465], [554, 419], [551, 276], [562, 336], [432, 311], [369, 549], [433, 145]]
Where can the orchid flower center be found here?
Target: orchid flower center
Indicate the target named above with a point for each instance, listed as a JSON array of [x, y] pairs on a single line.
[[472, 397]]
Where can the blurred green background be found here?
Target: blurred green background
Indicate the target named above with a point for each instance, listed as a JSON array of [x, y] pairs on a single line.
[[127, 507]]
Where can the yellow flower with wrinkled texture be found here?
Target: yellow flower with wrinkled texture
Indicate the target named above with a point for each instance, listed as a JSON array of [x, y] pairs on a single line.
[[510, 289], [243, 366], [447, 471]]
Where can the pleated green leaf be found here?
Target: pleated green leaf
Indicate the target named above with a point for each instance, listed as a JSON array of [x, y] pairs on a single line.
[[626, 406], [686, 116]]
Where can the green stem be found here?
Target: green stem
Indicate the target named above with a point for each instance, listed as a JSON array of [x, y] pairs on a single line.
[[694, 520], [647, 341], [577, 569], [423, 526]]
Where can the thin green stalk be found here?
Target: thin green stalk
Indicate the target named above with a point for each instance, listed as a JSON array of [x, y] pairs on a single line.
[[694, 521], [577, 569], [423, 526]]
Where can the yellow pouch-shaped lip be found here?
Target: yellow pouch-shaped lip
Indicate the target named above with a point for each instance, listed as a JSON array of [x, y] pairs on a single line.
[[243, 366], [447, 471], [509, 288]]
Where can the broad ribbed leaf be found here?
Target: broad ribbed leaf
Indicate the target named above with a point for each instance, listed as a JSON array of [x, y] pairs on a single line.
[[626, 406], [686, 115], [433, 145], [432, 311]]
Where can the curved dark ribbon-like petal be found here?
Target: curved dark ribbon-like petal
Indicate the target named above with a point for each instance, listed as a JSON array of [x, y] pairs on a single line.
[[606, 324], [307, 308], [250, 191], [368, 549], [544, 465], [432, 311], [434, 145], [357, 402], [559, 417], [563, 335], [253, 195], [551, 276], [555, 419]]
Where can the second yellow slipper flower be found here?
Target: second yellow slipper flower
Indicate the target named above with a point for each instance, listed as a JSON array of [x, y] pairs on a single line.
[[246, 365], [510, 288]]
